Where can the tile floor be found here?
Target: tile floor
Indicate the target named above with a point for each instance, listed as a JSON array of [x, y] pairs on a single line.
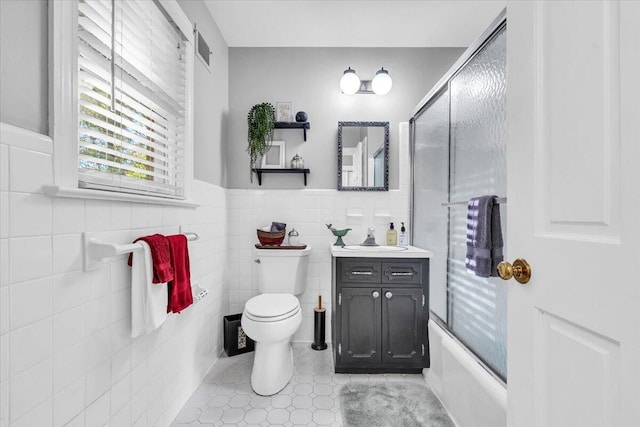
[[310, 399]]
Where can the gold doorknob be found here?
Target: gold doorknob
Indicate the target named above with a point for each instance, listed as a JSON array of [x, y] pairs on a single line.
[[520, 270]]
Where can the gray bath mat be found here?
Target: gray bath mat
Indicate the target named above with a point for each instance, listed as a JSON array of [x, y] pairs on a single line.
[[391, 404]]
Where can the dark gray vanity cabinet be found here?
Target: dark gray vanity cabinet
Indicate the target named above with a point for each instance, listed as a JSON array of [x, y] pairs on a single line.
[[380, 314]]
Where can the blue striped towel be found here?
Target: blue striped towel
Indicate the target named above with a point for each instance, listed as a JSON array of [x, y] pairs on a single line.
[[484, 236]]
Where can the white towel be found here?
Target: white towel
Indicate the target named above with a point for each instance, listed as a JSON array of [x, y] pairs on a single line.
[[148, 300]]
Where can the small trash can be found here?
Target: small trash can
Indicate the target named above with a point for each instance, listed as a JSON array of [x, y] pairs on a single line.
[[235, 340]]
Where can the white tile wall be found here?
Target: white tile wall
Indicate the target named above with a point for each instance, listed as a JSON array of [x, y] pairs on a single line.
[[30, 301], [30, 345], [65, 352], [68, 328]]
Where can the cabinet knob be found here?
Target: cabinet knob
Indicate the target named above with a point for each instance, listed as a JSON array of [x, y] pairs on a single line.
[[375, 294], [388, 295]]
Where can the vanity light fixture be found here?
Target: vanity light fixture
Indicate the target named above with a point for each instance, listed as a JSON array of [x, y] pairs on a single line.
[[351, 84], [382, 82]]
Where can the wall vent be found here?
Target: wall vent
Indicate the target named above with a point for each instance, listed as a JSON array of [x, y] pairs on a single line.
[[203, 52]]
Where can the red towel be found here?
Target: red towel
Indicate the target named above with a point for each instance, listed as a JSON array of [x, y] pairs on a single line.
[[159, 244], [180, 296]]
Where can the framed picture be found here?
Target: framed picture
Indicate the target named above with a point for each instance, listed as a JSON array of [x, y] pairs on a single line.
[[274, 157], [284, 112]]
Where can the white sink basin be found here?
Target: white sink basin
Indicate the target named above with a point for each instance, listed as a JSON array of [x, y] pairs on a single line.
[[357, 251], [375, 248]]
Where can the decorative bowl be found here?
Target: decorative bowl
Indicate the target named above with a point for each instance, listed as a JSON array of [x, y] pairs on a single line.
[[271, 238]]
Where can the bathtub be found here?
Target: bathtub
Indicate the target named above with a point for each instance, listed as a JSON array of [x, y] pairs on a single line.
[[473, 397]]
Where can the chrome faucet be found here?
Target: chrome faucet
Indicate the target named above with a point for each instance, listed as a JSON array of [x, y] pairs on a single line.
[[371, 238]]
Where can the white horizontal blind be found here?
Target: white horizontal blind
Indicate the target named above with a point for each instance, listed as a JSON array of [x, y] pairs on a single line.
[[132, 98]]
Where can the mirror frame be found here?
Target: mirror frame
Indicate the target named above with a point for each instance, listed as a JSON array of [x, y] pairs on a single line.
[[385, 187]]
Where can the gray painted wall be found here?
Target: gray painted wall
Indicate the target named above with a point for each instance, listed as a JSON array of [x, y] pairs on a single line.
[[211, 103], [24, 74], [309, 77]]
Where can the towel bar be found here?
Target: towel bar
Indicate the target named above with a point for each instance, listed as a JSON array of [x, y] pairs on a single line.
[[499, 200], [95, 250]]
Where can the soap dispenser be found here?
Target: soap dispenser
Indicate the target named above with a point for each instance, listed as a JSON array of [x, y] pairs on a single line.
[[403, 237], [392, 236]]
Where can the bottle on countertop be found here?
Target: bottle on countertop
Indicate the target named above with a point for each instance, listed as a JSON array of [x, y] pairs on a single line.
[[392, 236], [403, 237]]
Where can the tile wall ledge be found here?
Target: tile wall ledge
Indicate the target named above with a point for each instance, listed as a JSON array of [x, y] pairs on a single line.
[[82, 193], [24, 138], [315, 190]]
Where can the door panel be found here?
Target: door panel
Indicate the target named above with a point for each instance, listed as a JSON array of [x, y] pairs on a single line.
[[401, 325], [360, 328], [566, 350], [578, 191], [572, 166]]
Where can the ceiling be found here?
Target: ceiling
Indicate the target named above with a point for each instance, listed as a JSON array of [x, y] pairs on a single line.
[[353, 23]]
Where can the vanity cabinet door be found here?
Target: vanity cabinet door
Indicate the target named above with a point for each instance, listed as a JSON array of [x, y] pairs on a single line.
[[360, 325], [402, 334]]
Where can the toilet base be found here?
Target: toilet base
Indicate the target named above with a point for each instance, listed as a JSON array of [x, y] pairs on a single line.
[[272, 367]]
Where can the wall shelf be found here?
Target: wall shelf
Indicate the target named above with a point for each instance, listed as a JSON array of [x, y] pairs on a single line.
[[259, 172], [294, 125]]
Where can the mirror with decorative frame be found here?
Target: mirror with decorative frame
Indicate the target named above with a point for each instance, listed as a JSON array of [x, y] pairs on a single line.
[[363, 156]]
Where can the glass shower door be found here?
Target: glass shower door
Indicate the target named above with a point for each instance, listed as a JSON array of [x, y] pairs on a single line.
[[431, 189], [478, 306], [459, 141]]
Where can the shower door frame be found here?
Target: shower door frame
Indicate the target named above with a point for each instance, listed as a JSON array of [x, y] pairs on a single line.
[[438, 89]]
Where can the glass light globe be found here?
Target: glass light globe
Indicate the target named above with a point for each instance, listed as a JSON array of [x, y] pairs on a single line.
[[382, 82], [350, 82]]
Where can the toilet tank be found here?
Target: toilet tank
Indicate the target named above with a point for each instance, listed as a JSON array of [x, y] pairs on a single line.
[[282, 270]]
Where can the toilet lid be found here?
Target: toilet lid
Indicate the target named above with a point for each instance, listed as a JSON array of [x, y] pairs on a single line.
[[272, 305]]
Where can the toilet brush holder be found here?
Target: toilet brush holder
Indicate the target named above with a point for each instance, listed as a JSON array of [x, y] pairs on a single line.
[[319, 315]]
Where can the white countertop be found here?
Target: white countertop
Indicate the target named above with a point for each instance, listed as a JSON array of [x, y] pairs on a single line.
[[356, 251]]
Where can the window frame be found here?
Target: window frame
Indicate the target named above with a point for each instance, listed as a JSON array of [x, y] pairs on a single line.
[[63, 107]]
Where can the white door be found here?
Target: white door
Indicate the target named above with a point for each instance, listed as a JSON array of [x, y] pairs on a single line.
[[574, 212]]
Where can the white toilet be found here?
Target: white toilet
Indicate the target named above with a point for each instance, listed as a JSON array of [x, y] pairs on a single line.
[[272, 317]]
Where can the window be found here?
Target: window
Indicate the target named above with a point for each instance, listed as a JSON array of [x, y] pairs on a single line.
[[131, 98], [128, 67]]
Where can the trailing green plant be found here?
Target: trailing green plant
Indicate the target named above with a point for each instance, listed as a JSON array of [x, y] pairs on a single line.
[[260, 122]]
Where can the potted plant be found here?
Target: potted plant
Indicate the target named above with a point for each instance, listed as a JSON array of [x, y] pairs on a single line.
[[261, 121]]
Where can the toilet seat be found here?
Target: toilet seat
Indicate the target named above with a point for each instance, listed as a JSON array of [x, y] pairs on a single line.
[[271, 307]]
